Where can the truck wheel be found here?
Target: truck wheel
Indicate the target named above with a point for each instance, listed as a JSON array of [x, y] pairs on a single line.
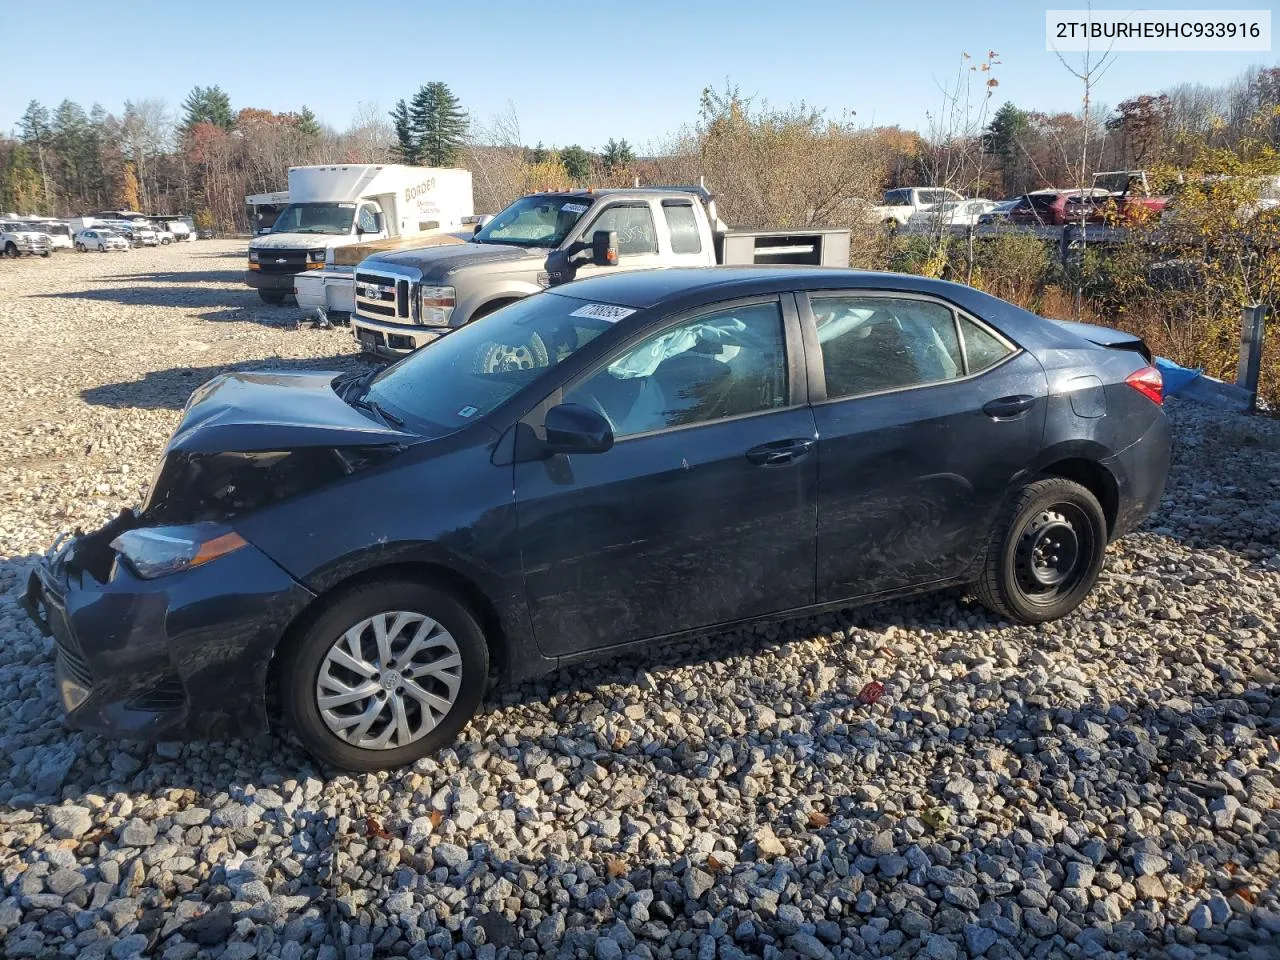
[[11, 250], [386, 674], [164, 242], [275, 297], [45, 253], [1045, 552], [80, 248], [500, 357]]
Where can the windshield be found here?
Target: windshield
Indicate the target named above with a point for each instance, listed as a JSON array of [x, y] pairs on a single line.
[[537, 221], [467, 373], [319, 217]]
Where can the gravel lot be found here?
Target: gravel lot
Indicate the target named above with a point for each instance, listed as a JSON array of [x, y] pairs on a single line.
[[1105, 786]]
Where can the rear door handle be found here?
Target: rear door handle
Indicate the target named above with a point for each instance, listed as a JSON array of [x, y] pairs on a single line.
[[779, 451], [1006, 408]]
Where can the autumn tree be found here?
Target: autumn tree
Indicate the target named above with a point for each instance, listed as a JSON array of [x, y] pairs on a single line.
[[126, 196], [1143, 124]]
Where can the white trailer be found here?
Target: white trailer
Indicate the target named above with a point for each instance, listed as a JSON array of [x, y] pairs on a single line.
[[335, 206]]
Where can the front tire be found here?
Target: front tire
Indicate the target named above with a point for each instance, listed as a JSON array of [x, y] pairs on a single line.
[[1045, 552], [273, 297], [388, 673], [11, 250]]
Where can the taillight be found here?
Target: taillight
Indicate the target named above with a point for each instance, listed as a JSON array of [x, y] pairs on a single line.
[[1149, 383]]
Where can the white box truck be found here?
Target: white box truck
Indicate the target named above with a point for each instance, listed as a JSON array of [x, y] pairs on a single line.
[[334, 206]]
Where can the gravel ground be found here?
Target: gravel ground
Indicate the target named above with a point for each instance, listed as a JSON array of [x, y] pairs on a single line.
[[1104, 786]]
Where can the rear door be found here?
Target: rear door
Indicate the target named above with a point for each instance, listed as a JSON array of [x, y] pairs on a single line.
[[705, 508], [925, 415]]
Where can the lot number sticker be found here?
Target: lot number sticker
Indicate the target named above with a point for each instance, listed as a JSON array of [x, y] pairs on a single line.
[[603, 311]]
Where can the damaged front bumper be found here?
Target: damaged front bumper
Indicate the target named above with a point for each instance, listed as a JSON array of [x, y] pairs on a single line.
[[178, 657]]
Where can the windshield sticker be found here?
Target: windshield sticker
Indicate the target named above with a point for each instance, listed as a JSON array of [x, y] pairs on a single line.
[[603, 311], [467, 412], [574, 208]]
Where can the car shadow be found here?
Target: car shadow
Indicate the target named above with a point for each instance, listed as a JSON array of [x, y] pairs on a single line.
[[169, 389]]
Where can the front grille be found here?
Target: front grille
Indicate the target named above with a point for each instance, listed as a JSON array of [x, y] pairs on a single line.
[[168, 694], [382, 295], [282, 261]]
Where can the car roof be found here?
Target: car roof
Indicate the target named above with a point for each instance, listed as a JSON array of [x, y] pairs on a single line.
[[684, 288], [690, 286]]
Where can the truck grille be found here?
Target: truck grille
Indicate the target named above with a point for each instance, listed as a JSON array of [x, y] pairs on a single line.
[[282, 261], [382, 295]]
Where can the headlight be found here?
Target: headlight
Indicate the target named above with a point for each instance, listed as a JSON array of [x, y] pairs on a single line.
[[315, 256], [158, 551], [253, 256], [435, 304]]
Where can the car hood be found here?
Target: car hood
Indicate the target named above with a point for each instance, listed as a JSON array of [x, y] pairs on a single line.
[[436, 263], [275, 410]]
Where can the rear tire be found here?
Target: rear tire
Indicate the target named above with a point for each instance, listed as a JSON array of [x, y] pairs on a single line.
[[423, 715], [1045, 553], [274, 297]]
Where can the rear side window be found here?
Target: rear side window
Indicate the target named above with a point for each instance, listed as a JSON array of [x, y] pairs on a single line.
[[683, 226], [874, 344], [982, 349]]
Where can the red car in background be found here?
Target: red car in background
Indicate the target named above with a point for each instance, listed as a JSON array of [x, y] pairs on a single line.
[[1118, 197]]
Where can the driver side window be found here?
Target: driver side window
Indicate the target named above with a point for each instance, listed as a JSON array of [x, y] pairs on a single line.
[[633, 222], [722, 364]]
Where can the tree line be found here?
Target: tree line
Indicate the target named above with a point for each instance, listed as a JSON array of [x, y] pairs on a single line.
[[769, 165]]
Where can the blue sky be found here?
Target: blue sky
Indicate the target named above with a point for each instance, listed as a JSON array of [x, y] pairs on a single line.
[[575, 72]]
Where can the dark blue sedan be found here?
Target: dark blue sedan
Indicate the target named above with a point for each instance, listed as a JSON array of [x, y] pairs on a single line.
[[628, 458]]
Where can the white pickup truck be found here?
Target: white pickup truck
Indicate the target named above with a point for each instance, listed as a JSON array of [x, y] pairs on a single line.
[[901, 204], [406, 298], [18, 238]]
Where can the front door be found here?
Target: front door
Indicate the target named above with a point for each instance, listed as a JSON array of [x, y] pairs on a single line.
[[703, 511], [632, 221], [929, 416]]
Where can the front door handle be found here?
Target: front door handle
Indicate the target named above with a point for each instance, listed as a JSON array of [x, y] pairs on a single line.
[[1006, 408], [779, 451]]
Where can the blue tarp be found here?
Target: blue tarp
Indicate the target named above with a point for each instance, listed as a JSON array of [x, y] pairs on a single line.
[[1175, 376]]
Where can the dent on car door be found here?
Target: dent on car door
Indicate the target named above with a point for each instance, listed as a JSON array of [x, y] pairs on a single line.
[[926, 416], [702, 512]]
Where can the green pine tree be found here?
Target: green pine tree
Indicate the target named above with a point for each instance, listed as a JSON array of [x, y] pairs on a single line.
[[438, 125], [577, 163], [37, 136], [207, 105], [405, 149], [308, 125], [617, 153]]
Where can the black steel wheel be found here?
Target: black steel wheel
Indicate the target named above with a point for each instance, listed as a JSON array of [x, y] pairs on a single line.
[[1045, 552]]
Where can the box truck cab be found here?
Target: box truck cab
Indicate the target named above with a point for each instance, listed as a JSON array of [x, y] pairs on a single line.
[[333, 206]]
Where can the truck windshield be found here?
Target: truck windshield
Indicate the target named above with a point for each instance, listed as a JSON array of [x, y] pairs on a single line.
[[465, 374], [538, 221], [317, 217]]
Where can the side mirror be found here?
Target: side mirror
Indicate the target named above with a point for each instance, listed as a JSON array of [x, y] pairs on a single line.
[[483, 221], [604, 248], [574, 428]]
